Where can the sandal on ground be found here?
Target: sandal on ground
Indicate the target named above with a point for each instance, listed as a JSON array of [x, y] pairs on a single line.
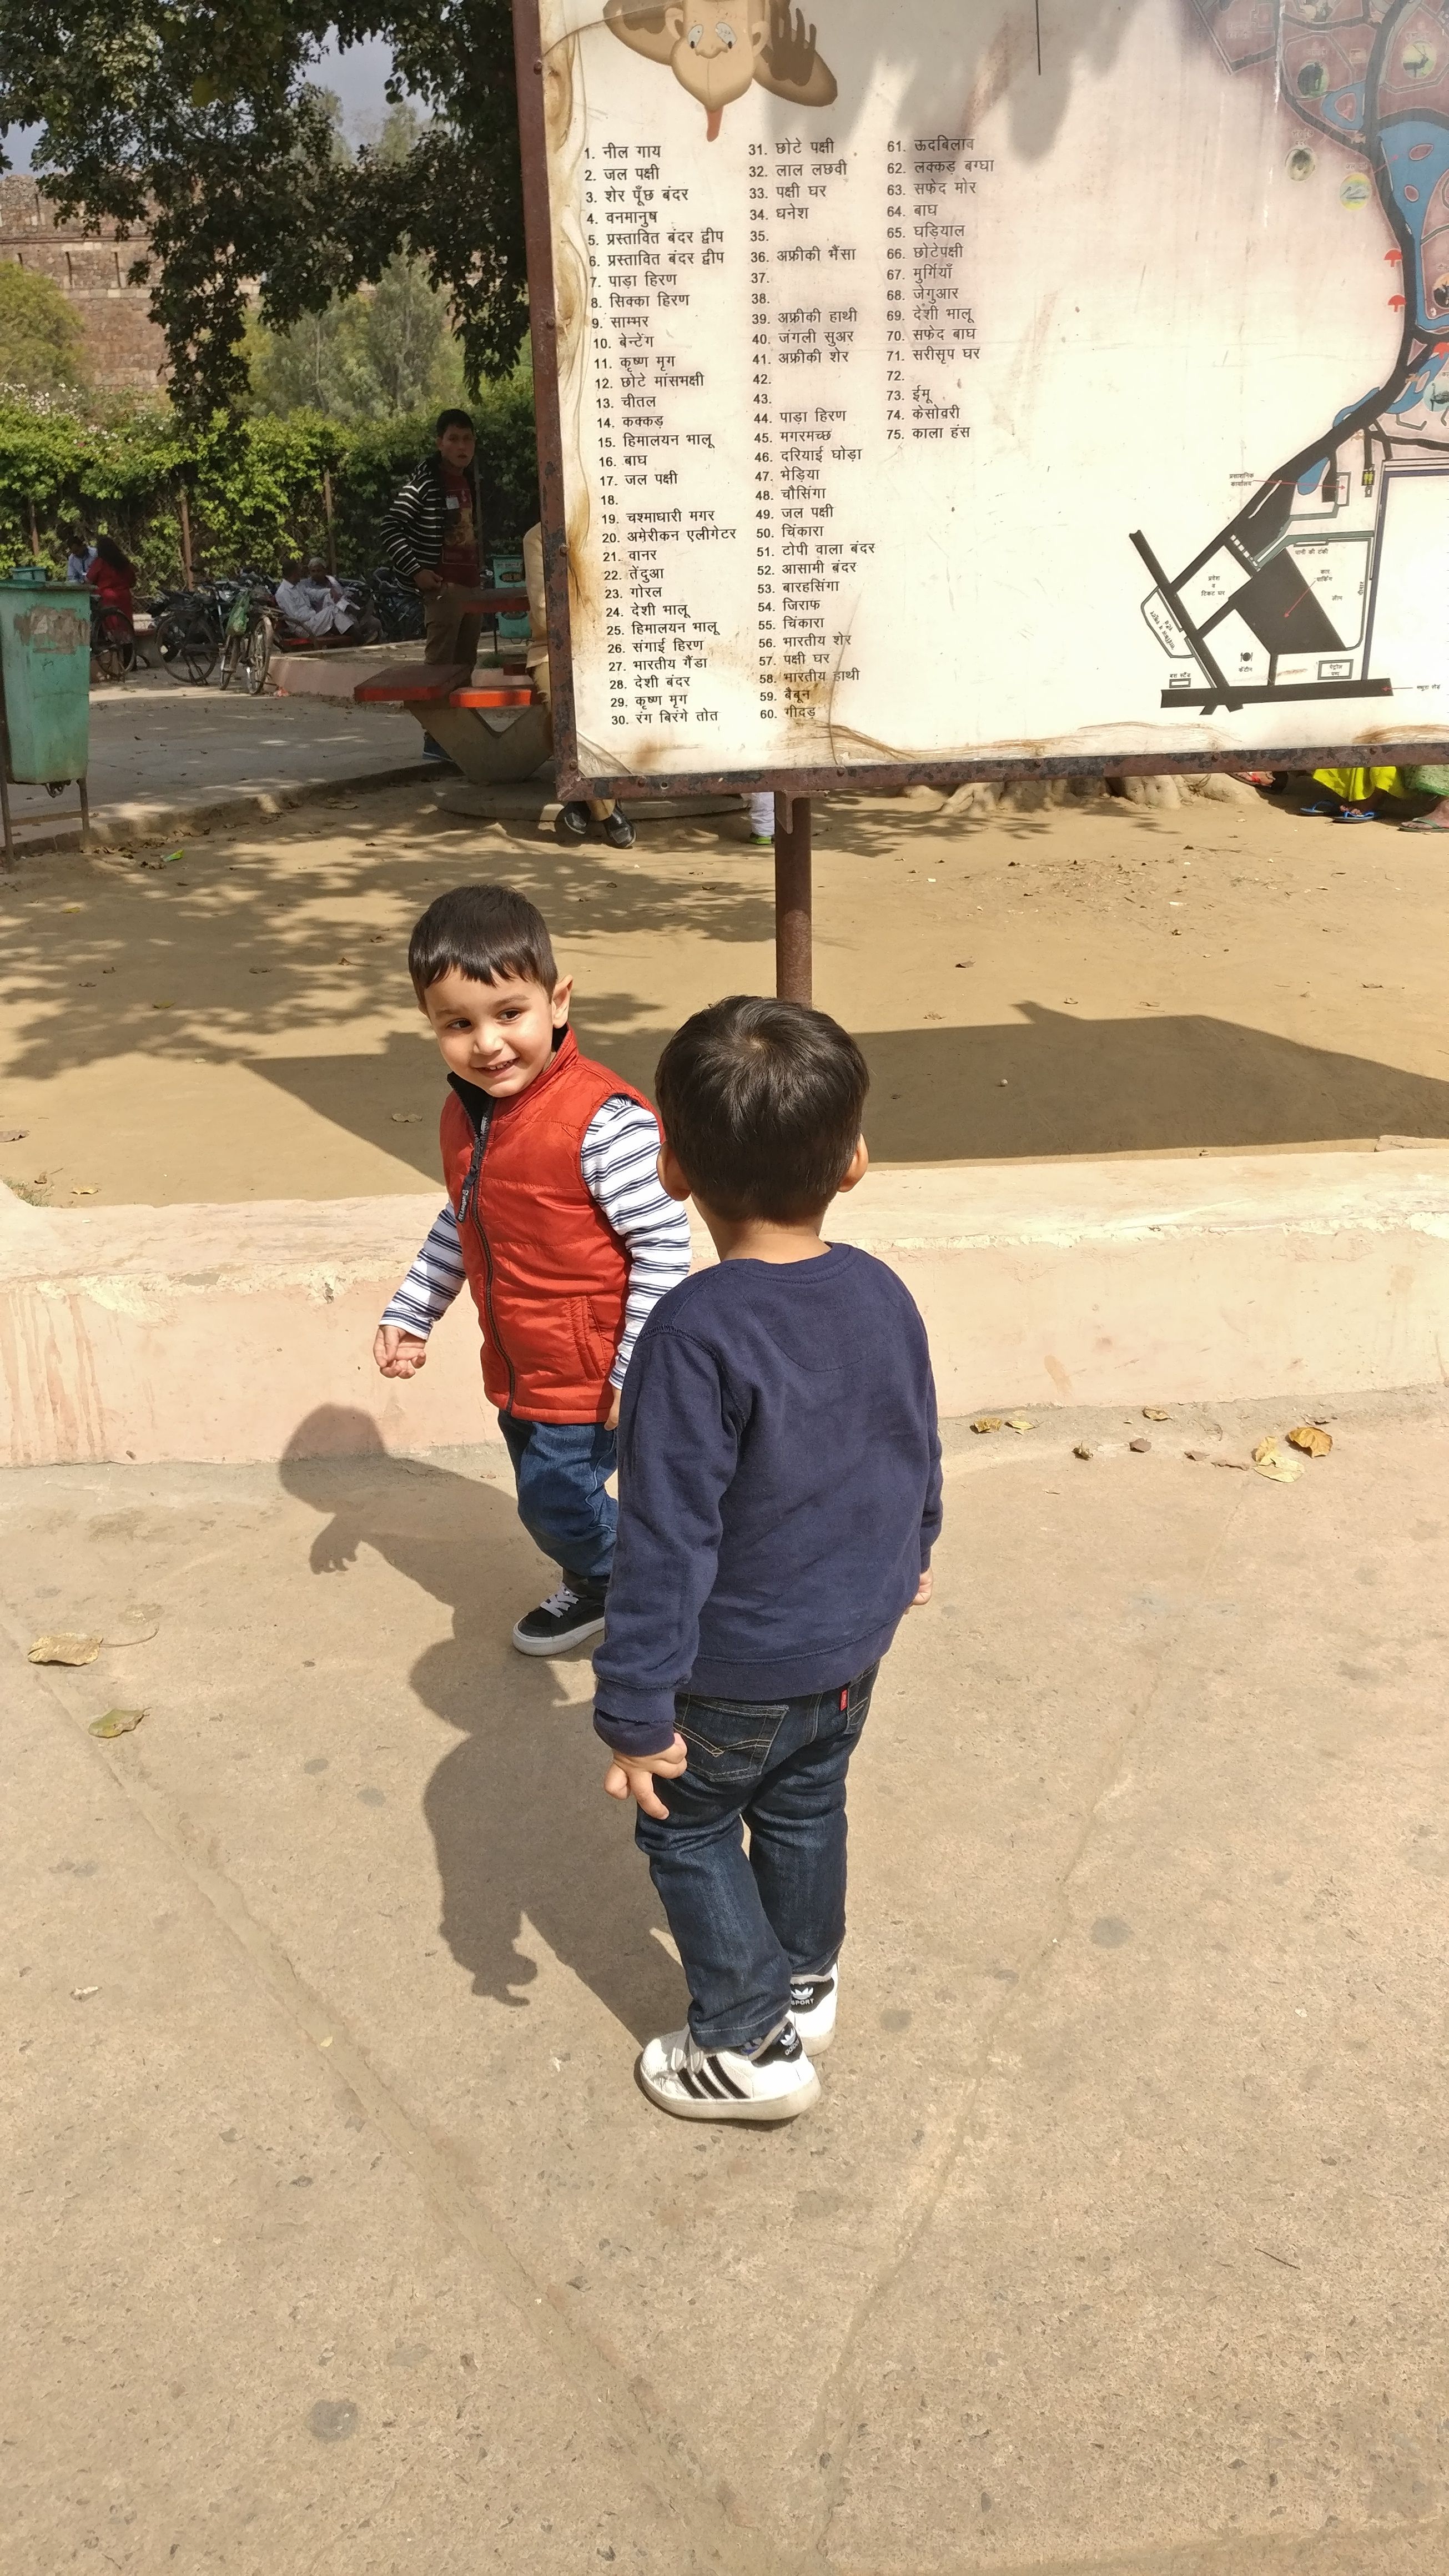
[[1356, 814], [1424, 823]]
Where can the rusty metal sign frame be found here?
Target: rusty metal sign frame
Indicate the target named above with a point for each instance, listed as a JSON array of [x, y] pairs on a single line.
[[868, 776]]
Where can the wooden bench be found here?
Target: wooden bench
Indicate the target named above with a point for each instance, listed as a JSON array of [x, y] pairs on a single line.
[[454, 707], [444, 684]]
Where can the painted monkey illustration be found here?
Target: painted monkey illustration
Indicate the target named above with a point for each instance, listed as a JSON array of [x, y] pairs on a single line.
[[717, 48]]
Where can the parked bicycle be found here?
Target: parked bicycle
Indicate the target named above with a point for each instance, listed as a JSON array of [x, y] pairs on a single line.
[[188, 630], [399, 607], [248, 633]]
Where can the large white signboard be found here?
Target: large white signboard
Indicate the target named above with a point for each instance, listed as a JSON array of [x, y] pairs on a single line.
[[943, 381]]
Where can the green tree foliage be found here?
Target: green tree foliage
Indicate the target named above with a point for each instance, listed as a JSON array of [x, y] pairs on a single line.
[[40, 337], [206, 125], [254, 486], [376, 355]]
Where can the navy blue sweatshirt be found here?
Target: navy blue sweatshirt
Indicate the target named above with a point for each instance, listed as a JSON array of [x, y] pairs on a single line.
[[779, 1489]]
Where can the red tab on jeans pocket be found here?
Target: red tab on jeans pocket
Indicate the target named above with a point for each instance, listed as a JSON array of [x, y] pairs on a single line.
[[845, 1699]]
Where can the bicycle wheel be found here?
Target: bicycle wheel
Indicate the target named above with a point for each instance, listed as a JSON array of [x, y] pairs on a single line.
[[258, 655], [231, 653], [187, 646]]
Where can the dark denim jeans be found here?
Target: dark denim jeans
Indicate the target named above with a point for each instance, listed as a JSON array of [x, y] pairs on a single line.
[[561, 1469], [746, 1924]]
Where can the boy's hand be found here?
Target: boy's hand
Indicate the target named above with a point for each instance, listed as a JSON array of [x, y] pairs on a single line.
[[398, 1354], [633, 1777], [923, 1589], [612, 1422]]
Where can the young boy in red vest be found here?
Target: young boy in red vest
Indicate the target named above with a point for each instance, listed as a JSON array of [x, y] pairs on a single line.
[[557, 1219]]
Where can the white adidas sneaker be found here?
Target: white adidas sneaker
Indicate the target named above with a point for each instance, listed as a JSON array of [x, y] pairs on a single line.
[[812, 2008], [776, 2083]]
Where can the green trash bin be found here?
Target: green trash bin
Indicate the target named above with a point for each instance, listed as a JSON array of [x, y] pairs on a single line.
[[45, 683]]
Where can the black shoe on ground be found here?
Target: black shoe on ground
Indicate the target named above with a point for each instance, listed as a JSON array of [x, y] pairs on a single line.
[[565, 1619], [617, 830], [572, 822]]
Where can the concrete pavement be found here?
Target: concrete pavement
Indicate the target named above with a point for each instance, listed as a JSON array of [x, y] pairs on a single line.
[[341, 2241], [165, 757]]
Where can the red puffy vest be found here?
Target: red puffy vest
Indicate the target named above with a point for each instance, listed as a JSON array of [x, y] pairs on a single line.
[[548, 1273]]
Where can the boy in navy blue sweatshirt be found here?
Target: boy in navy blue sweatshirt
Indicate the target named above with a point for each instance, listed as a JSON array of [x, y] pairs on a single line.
[[779, 1496]]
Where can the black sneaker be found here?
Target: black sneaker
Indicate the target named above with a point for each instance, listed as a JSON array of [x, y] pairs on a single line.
[[565, 1619], [617, 830], [573, 822]]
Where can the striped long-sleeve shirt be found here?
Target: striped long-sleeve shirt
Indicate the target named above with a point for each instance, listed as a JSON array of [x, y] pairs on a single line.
[[618, 1161]]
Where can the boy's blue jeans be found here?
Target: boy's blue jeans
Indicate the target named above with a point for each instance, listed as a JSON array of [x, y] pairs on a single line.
[[561, 1470], [745, 1924]]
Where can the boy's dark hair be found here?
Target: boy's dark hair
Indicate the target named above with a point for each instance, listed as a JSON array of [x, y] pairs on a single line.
[[452, 420], [482, 931], [761, 1104]]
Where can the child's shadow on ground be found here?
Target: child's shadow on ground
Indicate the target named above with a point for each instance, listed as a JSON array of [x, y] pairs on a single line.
[[517, 1810]]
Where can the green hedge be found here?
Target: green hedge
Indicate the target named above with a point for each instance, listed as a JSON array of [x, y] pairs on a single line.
[[254, 487]]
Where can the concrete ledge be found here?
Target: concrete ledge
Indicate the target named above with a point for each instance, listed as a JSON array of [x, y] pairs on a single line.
[[141, 818], [234, 1333]]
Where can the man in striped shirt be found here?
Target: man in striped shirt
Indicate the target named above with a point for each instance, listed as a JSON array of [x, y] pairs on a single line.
[[556, 1218]]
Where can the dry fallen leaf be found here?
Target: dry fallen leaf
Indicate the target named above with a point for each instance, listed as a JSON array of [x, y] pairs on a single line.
[[1083, 1449], [12, 1135], [84, 1189], [1199, 1457], [163, 1006], [1155, 1413], [1019, 1422], [82, 1993], [65, 1650], [1311, 1440], [1140, 1446], [72, 907], [406, 1117], [1269, 1460], [987, 1422]]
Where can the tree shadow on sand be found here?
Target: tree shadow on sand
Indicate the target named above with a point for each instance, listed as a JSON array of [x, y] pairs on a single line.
[[523, 1832]]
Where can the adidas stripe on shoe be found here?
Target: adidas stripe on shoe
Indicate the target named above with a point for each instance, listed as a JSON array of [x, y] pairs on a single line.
[[776, 2083], [812, 2008]]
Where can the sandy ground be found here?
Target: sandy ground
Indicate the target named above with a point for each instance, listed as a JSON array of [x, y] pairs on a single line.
[[1100, 979], [338, 2241]]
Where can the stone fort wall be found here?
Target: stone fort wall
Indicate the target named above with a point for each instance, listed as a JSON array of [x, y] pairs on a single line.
[[124, 349]]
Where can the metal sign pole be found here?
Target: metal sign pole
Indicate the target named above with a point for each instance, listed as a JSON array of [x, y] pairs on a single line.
[[543, 328], [794, 961]]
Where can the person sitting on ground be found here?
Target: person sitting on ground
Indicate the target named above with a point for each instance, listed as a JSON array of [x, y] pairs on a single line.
[[580, 818], [779, 1498], [1352, 795], [1430, 780], [561, 1227], [314, 601], [112, 576]]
